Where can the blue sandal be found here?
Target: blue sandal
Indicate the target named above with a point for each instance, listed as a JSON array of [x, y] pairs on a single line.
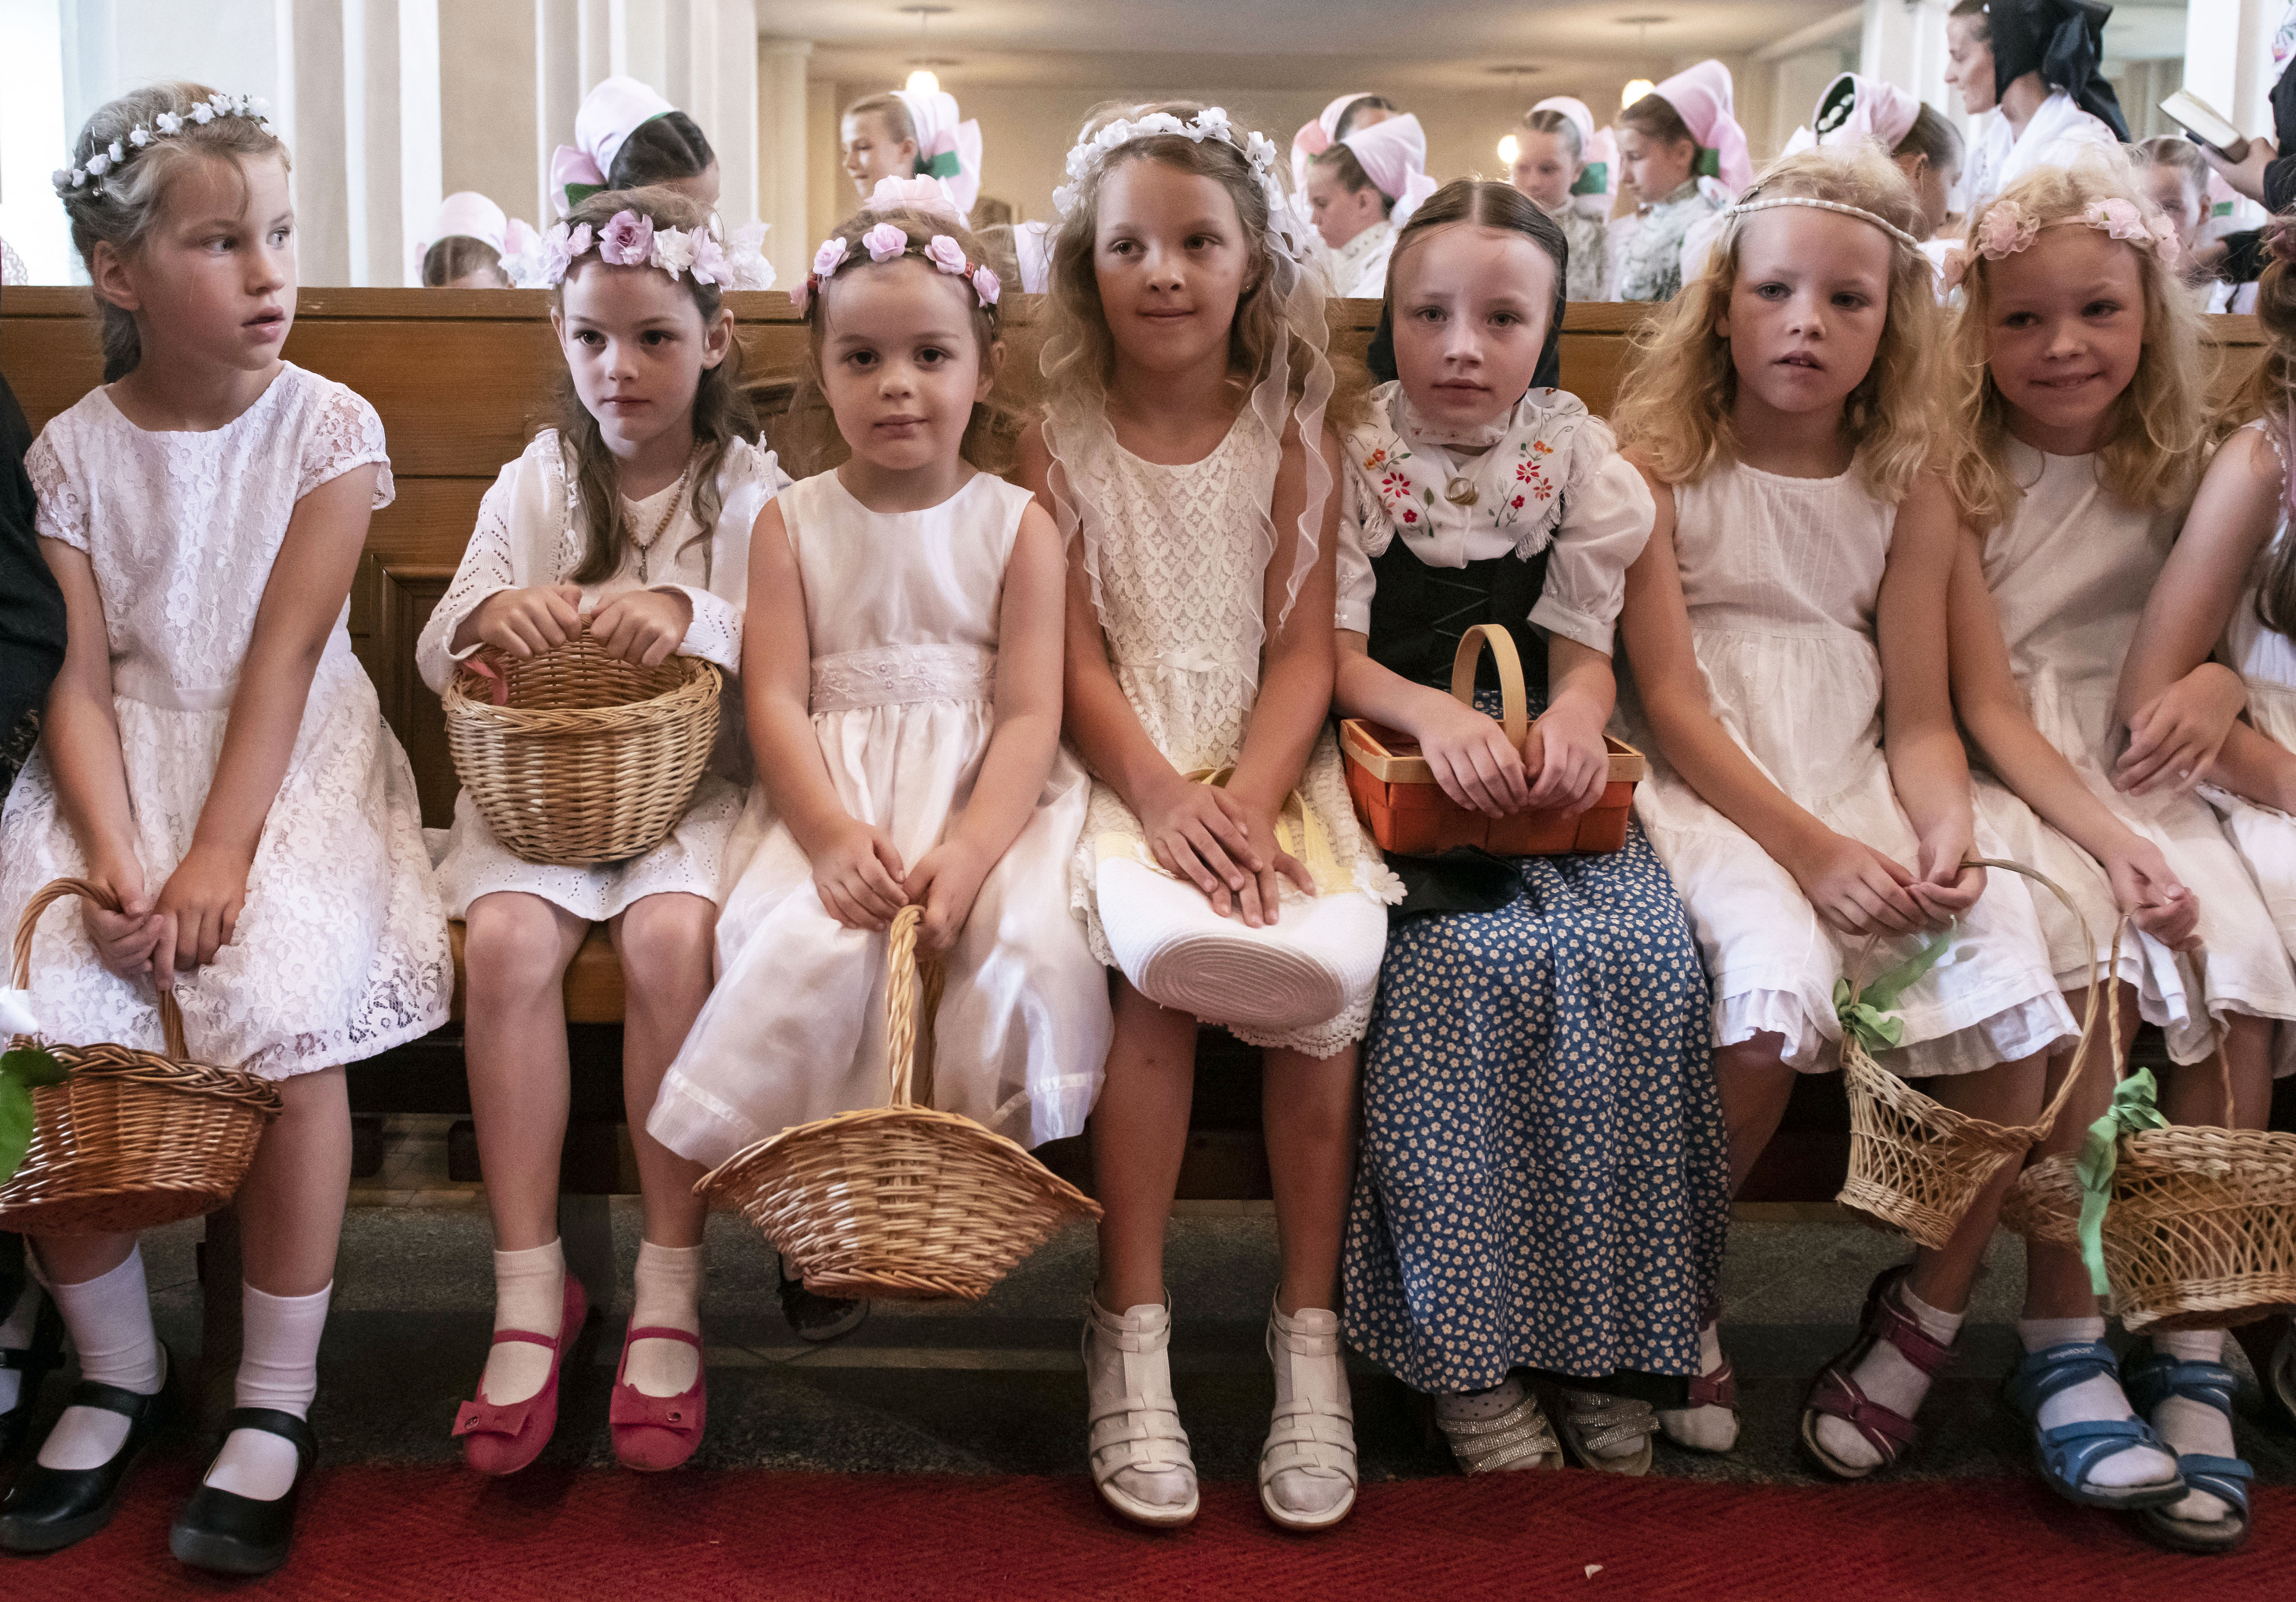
[[2069, 1451], [2150, 1377]]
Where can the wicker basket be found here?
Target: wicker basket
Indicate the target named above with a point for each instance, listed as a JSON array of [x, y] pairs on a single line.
[[1915, 1164], [899, 1201], [132, 1139], [574, 757], [2200, 1231]]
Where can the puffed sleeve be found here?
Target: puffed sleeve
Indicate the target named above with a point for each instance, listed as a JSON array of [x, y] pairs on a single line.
[[345, 434], [1606, 523], [62, 512], [489, 567], [1364, 530]]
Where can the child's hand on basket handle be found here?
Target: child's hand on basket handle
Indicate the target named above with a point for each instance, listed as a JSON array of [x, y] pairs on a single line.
[[524, 623], [1945, 888], [859, 876], [2174, 739], [643, 626], [1470, 758], [2151, 896], [125, 940], [1854, 888], [1565, 749], [946, 882], [199, 906]]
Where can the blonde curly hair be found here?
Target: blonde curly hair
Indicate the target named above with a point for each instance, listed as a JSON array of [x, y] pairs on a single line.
[[1681, 387], [2155, 431]]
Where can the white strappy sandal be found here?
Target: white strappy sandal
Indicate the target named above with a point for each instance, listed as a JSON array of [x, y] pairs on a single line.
[[1312, 1435], [1135, 1423]]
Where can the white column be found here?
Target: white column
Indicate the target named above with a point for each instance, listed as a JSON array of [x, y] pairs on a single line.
[[733, 127], [2229, 58], [781, 153], [390, 123], [312, 47]]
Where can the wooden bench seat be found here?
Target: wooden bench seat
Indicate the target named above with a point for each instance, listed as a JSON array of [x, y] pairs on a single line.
[[462, 378]]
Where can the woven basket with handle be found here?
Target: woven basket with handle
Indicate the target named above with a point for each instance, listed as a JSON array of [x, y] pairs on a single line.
[[1915, 1164], [133, 1139], [899, 1201], [2200, 1227], [574, 757]]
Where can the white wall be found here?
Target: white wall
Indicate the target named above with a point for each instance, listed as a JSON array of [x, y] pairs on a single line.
[[34, 139]]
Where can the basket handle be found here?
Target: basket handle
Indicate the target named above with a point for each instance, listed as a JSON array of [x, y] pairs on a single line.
[[1514, 714], [171, 1015], [2110, 996], [903, 969]]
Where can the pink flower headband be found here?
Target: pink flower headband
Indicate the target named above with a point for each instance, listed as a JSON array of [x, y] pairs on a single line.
[[2007, 227], [630, 240], [890, 242]]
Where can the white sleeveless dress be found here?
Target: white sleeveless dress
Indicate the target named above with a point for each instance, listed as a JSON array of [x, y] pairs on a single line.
[[340, 950], [901, 610], [2070, 568], [1182, 581], [1781, 577]]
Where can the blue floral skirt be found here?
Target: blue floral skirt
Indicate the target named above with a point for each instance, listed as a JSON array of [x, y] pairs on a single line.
[[1545, 1175]]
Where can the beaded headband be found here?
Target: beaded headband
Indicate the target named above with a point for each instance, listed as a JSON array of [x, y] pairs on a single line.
[[1088, 155], [1814, 203], [2007, 227], [630, 240], [166, 125], [890, 242]]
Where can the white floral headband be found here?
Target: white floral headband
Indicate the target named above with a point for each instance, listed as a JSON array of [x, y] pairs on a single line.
[[2007, 227], [630, 240], [166, 125], [1090, 154], [890, 242]]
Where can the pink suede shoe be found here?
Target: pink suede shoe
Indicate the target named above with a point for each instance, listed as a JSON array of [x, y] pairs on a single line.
[[504, 1439], [654, 1433]]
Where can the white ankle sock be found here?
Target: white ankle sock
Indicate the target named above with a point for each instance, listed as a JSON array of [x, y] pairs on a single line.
[[1703, 1428], [109, 1318], [2093, 1401], [16, 1330], [669, 1296], [278, 1369], [1889, 1380], [530, 1294], [2194, 1426]]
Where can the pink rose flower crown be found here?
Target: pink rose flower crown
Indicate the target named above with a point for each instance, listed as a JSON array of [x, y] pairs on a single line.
[[889, 242], [631, 240], [2005, 228]]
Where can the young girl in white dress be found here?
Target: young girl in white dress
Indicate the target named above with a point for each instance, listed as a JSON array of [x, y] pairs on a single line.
[[630, 518], [903, 671], [1808, 788], [214, 759], [1184, 450], [2075, 457]]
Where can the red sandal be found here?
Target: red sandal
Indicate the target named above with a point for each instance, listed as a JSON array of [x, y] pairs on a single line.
[[654, 1433], [1835, 1395], [504, 1439]]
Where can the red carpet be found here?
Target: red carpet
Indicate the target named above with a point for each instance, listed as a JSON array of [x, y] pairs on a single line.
[[374, 1534]]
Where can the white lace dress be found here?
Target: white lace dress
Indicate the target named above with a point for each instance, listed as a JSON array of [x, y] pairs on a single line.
[[1182, 581], [2070, 568], [1781, 577], [340, 950], [530, 532], [901, 612], [1358, 268]]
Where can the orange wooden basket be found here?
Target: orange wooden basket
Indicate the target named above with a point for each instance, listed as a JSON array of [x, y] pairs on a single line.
[[1397, 799]]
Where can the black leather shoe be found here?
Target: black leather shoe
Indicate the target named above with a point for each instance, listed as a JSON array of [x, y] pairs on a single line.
[[234, 1534], [32, 1364], [51, 1509]]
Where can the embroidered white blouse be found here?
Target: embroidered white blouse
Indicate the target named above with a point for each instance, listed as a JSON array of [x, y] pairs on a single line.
[[1552, 475]]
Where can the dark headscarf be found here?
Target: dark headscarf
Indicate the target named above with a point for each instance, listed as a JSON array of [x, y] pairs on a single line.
[[31, 606], [1544, 231], [2062, 40]]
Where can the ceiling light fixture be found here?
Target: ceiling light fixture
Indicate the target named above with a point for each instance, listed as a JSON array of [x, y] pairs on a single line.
[[924, 80], [1637, 88], [1510, 146]]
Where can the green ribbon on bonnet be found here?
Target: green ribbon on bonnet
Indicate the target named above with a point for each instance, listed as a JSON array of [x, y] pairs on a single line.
[[943, 166], [2133, 1111], [1594, 178], [1868, 1016], [1709, 164]]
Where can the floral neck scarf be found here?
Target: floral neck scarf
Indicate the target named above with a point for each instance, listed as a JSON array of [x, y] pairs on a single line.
[[1420, 486]]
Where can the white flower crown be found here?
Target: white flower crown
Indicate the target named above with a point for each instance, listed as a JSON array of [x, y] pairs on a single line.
[[165, 126], [630, 240], [1090, 154]]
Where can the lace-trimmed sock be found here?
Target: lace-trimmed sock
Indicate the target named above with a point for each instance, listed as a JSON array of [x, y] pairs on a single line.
[[109, 1318], [2094, 1401], [530, 1294], [278, 1369], [2192, 1426], [1888, 1379]]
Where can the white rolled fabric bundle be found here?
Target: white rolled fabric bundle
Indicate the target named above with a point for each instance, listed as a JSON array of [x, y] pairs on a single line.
[[947, 149], [1393, 154]]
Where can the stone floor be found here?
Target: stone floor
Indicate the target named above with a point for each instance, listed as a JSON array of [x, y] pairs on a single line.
[[996, 1386]]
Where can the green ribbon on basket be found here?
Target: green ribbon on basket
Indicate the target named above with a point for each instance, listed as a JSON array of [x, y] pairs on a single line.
[[1869, 1015], [2133, 1111], [22, 1070]]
